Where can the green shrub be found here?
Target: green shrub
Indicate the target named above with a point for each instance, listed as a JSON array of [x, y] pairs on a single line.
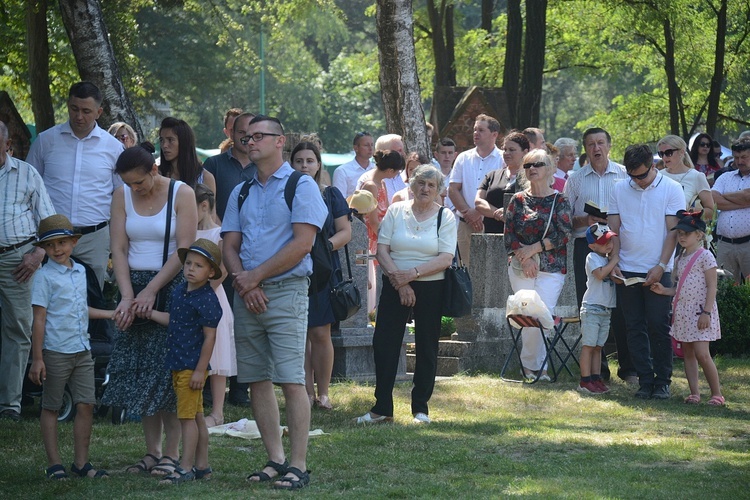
[[447, 326], [734, 311]]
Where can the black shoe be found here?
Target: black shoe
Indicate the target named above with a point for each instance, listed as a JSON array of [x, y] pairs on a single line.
[[645, 391], [10, 415], [661, 392]]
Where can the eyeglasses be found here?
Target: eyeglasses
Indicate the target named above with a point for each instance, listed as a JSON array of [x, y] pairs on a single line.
[[642, 176], [705, 144], [538, 164], [123, 137], [256, 137], [666, 153]]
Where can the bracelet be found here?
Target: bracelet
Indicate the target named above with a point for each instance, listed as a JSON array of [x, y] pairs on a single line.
[[417, 271], [707, 313]]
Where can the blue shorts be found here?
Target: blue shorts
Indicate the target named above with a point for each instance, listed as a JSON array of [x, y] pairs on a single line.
[[595, 324]]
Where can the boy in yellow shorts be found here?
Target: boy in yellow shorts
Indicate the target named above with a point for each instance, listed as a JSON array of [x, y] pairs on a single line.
[[193, 315]]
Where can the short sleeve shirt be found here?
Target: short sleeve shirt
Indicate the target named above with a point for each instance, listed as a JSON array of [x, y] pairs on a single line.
[[470, 169], [733, 223], [62, 292], [600, 292], [189, 312]]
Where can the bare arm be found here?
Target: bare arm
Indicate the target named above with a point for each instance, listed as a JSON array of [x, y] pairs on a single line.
[[603, 272], [199, 373], [655, 273], [486, 208], [343, 232], [401, 277], [100, 313], [707, 201], [372, 217], [38, 372], [468, 213], [614, 224], [732, 201]]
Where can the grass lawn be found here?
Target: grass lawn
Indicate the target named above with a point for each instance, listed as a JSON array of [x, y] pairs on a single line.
[[489, 439]]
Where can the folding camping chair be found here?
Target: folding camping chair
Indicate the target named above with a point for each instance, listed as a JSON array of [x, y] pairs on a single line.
[[556, 346]]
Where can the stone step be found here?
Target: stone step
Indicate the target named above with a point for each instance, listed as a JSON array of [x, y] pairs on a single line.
[[447, 366], [453, 348]]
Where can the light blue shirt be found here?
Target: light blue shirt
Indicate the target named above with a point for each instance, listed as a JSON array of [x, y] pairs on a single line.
[[62, 291], [266, 223]]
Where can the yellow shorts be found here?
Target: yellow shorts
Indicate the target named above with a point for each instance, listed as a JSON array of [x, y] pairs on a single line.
[[189, 401]]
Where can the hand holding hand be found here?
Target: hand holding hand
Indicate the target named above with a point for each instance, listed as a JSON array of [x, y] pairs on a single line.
[[654, 275], [399, 277], [530, 268], [658, 288]]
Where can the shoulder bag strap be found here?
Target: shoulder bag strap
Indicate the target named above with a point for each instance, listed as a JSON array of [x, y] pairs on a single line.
[[549, 221], [684, 274], [165, 253]]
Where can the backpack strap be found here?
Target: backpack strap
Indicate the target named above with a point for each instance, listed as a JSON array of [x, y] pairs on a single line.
[[244, 191], [291, 188]]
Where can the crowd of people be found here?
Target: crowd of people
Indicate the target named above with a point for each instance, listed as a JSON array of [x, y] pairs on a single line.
[[213, 266]]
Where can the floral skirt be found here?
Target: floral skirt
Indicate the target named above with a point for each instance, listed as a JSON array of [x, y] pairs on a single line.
[[139, 379]]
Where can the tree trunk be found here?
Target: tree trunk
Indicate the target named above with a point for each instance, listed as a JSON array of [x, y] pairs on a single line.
[[487, 8], [95, 58], [530, 96], [717, 79], [673, 88], [439, 50], [37, 50], [450, 44], [513, 48], [399, 83]]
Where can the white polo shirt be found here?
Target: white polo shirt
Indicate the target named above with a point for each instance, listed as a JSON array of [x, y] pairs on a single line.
[[643, 226], [470, 169]]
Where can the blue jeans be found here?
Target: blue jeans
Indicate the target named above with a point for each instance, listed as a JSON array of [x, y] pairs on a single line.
[[595, 324], [647, 322]]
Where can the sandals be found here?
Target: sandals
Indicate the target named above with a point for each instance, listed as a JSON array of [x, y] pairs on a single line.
[[716, 401], [263, 477], [204, 474], [214, 421], [302, 480], [142, 466], [165, 467], [56, 473], [693, 399], [323, 403], [179, 476], [87, 467]]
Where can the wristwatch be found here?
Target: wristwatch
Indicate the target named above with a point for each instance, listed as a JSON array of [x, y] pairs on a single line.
[[707, 313], [663, 266]]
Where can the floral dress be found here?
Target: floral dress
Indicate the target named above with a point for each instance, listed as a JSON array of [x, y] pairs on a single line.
[[692, 298]]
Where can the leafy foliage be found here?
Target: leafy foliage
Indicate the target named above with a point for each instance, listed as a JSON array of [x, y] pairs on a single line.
[[734, 311]]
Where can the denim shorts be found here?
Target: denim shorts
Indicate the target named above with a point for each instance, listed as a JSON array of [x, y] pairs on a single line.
[[595, 324]]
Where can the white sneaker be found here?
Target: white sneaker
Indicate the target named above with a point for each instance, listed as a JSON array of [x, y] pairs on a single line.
[[369, 419], [421, 418]]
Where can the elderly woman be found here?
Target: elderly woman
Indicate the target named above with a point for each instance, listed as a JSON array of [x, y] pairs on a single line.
[[140, 382], [338, 229], [679, 167], [415, 245], [491, 193], [538, 224], [567, 154], [124, 133]]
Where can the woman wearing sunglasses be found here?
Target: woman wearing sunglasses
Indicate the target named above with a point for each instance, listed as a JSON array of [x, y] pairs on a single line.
[[703, 156], [538, 224], [679, 167]]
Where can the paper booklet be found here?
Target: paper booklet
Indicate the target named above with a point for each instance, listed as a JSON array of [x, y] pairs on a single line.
[[593, 209], [631, 281]]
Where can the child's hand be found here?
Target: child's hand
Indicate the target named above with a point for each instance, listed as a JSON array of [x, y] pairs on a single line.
[[197, 380], [704, 321], [658, 288], [38, 372]]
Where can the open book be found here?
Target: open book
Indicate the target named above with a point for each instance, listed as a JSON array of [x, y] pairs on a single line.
[[631, 281], [593, 209]]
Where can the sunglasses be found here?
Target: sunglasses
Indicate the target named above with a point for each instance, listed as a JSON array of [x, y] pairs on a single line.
[[642, 176], [705, 144], [538, 164], [666, 153], [123, 137]]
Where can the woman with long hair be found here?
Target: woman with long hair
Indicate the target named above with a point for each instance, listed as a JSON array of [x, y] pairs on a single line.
[[338, 229], [678, 166], [703, 156], [179, 159]]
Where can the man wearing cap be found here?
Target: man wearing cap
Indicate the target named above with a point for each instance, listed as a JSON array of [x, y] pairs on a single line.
[[23, 205], [345, 176], [77, 160], [266, 248], [642, 212], [594, 183], [469, 170], [731, 194]]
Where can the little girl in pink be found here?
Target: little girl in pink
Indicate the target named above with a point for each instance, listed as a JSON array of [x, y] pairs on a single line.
[[695, 316]]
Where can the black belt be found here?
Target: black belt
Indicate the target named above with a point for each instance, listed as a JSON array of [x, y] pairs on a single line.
[[90, 229], [734, 241], [17, 245]]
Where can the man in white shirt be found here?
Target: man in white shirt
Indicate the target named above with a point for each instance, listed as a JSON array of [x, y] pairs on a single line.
[[469, 171], [392, 142], [345, 176], [642, 211], [731, 194], [445, 154], [76, 160], [594, 183]]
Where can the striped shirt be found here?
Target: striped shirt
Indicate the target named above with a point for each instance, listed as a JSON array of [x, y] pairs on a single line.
[[23, 201], [587, 185]]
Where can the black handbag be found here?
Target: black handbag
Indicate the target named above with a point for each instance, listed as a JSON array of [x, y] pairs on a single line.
[[160, 303], [457, 290], [345, 297]]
